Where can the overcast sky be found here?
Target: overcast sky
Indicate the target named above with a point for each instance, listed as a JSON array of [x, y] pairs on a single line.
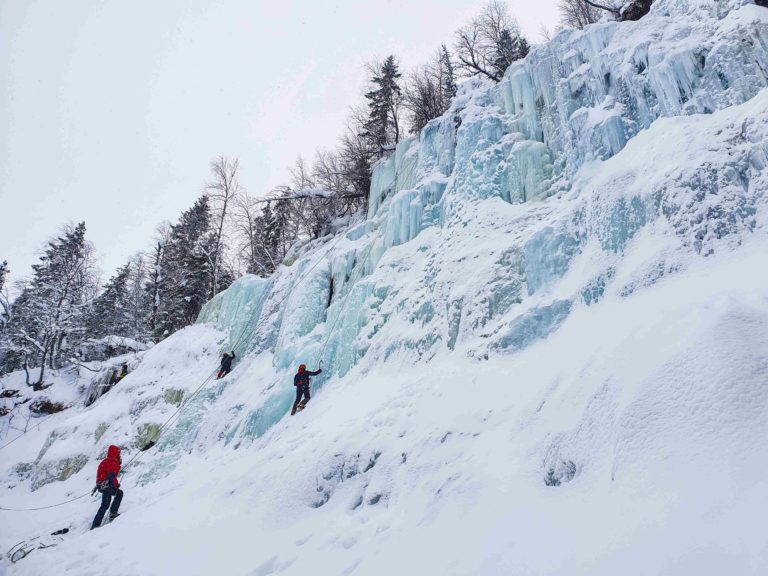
[[112, 111]]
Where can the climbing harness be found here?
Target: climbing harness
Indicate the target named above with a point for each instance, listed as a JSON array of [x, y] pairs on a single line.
[[174, 416]]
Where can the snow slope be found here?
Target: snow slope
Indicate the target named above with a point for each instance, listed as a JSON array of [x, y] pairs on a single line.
[[545, 348]]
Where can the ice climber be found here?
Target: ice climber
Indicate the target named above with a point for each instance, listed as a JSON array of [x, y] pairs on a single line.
[[109, 486], [226, 364], [301, 381]]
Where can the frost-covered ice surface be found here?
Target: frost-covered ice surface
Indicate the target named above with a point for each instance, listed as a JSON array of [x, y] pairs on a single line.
[[545, 349]]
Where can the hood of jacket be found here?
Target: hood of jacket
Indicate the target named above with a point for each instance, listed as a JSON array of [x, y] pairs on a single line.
[[113, 452]]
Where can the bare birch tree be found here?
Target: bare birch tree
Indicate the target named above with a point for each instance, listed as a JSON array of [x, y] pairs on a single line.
[[222, 191], [490, 43]]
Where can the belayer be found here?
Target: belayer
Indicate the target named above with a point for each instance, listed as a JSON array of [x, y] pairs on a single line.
[[226, 364], [108, 485], [301, 381]]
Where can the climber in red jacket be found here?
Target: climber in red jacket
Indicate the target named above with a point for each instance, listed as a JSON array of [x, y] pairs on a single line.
[[109, 486]]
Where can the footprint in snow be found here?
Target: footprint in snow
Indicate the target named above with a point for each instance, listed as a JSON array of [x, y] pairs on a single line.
[[304, 540]]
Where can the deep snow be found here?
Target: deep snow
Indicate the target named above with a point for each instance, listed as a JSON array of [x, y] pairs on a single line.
[[546, 349]]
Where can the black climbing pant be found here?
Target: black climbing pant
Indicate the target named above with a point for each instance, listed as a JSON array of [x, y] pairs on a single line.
[[301, 391], [106, 497]]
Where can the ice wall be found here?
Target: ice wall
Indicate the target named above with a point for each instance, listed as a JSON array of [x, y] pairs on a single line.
[[586, 93], [493, 272], [238, 310]]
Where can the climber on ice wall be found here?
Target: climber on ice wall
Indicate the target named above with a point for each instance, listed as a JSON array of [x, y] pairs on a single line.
[[226, 364], [301, 381]]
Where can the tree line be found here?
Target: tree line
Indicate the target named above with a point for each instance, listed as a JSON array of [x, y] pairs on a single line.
[[63, 307]]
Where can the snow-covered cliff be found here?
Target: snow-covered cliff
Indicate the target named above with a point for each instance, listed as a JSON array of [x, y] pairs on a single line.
[[545, 348]]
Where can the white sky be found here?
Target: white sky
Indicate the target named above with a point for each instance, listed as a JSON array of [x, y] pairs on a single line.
[[112, 111]]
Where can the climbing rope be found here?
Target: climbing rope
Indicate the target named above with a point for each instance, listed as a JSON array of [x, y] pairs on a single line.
[[25, 431], [173, 416], [44, 507], [177, 412], [243, 333]]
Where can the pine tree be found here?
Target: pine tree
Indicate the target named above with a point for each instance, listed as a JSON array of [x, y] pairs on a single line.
[[152, 288], [49, 317], [382, 129], [5, 307], [185, 270], [15, 350], [511, 47], [267, 241], [448, 86], [5, 314], [280, 231], [110, 313]]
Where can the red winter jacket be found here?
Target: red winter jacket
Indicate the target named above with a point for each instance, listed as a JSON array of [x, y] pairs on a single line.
[[109, 467]]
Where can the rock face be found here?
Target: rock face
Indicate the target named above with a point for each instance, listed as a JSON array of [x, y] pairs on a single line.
[[636, 9]]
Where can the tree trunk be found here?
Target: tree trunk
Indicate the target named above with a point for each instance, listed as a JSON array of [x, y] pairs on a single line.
[[39, 382], [26, 369], [225, 187]]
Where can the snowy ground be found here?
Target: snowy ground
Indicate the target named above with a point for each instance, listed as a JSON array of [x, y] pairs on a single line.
[[440, 469]]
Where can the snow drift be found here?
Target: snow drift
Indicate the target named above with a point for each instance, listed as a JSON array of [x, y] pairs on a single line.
[[545, 348]]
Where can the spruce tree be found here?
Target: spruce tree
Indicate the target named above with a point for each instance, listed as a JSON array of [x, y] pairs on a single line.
[[152, 288], [5, 307], [5, 313], [382, 129], [110, 313], [266, 242], [280, 230], [185, 270], [50, 314], [448, 85], [511, 46]]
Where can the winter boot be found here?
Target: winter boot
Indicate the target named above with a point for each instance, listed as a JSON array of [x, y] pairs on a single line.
[[114, 515]]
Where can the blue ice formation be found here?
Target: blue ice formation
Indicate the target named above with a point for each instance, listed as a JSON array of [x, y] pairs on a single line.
[[473, 225]]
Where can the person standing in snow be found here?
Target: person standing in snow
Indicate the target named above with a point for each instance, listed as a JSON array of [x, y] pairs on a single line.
[[108, 485], [226, 364], [301, 381]]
